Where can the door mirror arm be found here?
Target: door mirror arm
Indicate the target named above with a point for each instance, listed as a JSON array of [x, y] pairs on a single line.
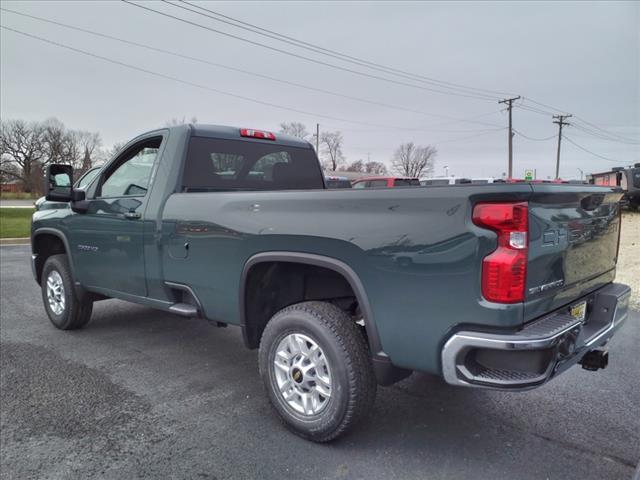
[[79, 203]]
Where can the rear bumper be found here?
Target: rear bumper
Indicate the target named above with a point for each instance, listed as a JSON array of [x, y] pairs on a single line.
[[539, 351]]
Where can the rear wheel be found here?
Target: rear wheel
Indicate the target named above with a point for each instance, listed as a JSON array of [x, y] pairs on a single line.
[[66, 310], [315, 366]]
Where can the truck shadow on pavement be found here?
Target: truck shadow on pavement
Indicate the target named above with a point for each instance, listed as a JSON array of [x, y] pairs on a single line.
[[206, 371]]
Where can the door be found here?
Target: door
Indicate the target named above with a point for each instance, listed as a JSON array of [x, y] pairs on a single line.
[[108, 238]]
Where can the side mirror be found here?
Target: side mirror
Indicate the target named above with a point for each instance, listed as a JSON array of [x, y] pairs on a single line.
[[58, 183]]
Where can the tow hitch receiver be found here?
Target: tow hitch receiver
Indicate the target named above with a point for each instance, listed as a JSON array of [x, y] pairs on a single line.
[[594, 360]]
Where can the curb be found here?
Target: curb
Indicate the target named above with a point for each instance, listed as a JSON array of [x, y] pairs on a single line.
[[15, 241]]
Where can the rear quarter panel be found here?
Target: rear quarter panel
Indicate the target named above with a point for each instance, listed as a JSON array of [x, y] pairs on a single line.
[[415, 301]]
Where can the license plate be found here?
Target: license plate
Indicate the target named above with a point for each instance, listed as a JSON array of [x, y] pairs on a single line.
[[579, 311]]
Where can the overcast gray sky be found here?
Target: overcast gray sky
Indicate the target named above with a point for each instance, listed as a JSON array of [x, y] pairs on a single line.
[[580, 57]]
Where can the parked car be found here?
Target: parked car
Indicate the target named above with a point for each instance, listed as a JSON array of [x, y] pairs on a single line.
[[83, 182], [385, 182], [434, 181], [501, 286], [332, 181]]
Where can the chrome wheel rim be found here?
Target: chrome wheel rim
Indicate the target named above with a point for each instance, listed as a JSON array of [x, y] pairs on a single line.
[[302, 374], [55, 292]]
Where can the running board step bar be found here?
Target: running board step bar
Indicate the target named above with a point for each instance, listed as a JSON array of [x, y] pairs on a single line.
[[184, 309]]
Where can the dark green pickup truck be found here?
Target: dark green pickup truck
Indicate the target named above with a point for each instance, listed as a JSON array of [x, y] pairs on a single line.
[[498, 286]]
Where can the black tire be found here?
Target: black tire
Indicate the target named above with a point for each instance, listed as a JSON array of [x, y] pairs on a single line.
[[353, 384], [76, 311]]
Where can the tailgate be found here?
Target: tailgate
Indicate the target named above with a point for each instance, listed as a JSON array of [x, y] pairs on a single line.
[[573, 244]]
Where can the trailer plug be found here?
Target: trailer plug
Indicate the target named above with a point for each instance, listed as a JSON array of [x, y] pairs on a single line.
[[594, 360]]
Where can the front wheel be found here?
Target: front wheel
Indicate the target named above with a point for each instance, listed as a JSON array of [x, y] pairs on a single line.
[[315, 366], [66, 310]]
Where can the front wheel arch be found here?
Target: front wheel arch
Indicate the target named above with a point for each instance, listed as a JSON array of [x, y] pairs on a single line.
[[45, 243]]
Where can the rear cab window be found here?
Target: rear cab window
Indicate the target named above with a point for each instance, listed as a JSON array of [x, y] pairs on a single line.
[[226, 165]]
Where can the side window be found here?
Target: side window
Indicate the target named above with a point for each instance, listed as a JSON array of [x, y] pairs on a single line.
[[87, 178], [402, 182], [264, 167], [131, 176], [360, 185], [226, 165], [377, 183]]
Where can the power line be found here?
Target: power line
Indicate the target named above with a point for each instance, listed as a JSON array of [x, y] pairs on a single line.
[[325, 51], [550, 110], [534, 139], [590, 128], [436, 143], [459, 139], [540, 104], [309, 59], [602, 136], [535, 110], [592, 153], [247, 72], [317, 49], [193, 84], [596, 127]]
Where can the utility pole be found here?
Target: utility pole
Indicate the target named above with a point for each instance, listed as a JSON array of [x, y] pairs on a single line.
[[559, 120], [318, 139], [509, 103]]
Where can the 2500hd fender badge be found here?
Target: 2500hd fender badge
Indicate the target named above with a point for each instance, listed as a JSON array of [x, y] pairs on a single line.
[[546, 286], [87, 248]]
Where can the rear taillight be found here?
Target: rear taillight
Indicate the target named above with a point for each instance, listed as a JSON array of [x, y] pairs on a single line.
[[504, 271], [249, 132]]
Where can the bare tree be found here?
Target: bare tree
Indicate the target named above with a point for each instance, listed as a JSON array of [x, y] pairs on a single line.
[[77, 148], [331, 148], [357, 166], [295, 129], [57, 145], [86, 149], [376, 168], [111, 152], [9, 172], [26, 148], [175, 121], [414, 161], [22, 151]]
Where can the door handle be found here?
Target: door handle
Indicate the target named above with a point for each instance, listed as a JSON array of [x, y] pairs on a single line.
[[132, 215]]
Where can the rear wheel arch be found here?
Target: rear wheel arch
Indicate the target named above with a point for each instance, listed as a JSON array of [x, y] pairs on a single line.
[[252, 329]]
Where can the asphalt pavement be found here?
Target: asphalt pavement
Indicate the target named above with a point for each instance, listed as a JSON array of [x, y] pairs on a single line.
[[144, 394]]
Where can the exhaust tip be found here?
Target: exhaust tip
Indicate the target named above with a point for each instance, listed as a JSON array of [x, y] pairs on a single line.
[[595, 360]]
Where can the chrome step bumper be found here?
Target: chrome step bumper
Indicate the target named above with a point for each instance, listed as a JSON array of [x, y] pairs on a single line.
[[540, 350]]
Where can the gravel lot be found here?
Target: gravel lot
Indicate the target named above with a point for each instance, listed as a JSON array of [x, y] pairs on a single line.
[[629, 262], [145, 394]]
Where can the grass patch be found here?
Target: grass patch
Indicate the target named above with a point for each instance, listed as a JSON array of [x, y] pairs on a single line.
[[15, 222], [17, 196]]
